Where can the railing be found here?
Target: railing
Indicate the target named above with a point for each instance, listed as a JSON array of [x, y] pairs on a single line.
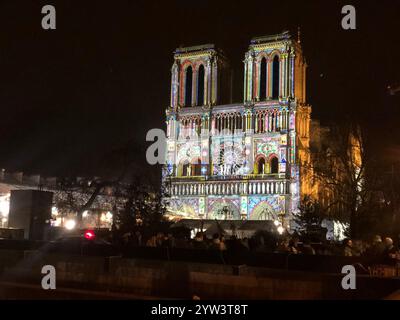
[[269, 176], [247, 187]]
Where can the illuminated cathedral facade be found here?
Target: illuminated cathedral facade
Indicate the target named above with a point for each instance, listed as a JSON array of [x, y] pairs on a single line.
[[238, 161]]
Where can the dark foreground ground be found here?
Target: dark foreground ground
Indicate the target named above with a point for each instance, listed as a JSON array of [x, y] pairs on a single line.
[[102, 277], [25, 291]]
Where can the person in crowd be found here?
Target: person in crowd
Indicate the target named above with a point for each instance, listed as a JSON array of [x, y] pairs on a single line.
[[126, 238], [377, 248], [358, 248], [293, 246], [137, 239], [198, 241], [307, 247], [390, 252], [216, 242], [182, 241], [398, 241], [236, 245], [347, 247], [283, 246], [152, 242], [245, 243], [160, 239], [222, 244], [253, 243], [168, 241]]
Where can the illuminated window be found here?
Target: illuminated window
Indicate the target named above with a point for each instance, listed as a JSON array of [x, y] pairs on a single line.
[[200, 86], [186, 169], [197, 168], [274, 165], [261, 166], [275, 78], [188, 86], [263, 79]]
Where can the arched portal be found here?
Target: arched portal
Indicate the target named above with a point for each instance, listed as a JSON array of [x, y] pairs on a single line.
[[263, 211], [224, 210]]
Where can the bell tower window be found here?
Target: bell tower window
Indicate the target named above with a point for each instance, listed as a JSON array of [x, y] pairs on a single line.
[[188, 86], [275, 78], [200, 86], [263, 79]]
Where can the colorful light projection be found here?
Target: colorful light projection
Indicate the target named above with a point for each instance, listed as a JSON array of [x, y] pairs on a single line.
[[268, 128], [228, 157], [184, 207], [267, 146], [266, 207], [224, 208], [188, 151]]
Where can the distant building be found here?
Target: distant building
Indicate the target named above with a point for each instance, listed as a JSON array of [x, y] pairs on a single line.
[[98, 216]]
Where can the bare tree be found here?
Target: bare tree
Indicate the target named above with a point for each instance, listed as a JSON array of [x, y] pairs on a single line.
[[110, 191], [341, 169]]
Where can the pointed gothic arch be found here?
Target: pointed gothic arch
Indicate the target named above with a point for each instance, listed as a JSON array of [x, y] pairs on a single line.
[[200, 86], [275, 78], [188, 86], [274, 164], [261, 165], [184, 169], [263, 79]]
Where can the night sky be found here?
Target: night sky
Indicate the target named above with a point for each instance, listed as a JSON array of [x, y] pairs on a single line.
[[70, 96]]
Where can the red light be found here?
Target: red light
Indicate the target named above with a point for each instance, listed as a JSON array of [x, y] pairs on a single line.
[[89, 234]]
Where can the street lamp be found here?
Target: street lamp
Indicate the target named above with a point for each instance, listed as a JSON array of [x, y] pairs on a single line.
[[70, 224]]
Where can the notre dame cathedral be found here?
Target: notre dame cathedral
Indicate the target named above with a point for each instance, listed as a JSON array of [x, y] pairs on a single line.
[[238, 161]]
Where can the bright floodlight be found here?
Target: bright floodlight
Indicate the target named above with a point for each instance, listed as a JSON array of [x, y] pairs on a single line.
[[281, 229], [54, 211], [276, 223], [70, 224], [109, 215], [4, 206]]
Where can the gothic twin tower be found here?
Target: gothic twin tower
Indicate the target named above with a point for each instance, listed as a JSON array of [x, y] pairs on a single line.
[[238, 160]]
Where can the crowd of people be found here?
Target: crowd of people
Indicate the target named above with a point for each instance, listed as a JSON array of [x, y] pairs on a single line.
[[379, 250], [384, 251]]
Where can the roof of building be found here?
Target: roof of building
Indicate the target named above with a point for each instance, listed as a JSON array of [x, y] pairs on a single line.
[[202, 47], [271, 38]]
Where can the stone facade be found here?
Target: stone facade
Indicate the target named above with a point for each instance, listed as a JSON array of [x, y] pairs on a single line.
[[238, 160]]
